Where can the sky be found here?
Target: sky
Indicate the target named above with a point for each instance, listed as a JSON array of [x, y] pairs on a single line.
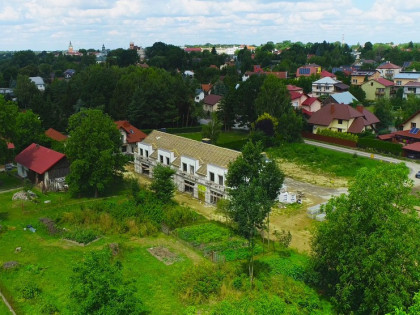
[[52, 24]]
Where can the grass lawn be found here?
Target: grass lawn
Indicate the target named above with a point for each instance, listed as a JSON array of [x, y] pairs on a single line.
[[3, 308], [234, 140], [321, 159], [9, 181]]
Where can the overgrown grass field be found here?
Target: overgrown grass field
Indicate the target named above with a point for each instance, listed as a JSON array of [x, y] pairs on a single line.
[[321, 159]]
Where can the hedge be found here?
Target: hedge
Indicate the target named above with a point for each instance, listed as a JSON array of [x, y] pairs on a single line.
[[335, 134], [380, 146]]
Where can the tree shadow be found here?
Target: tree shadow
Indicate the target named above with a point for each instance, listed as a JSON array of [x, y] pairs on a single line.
[[4, 215]]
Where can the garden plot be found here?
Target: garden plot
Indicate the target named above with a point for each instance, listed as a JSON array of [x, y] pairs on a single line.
[[164, 255]]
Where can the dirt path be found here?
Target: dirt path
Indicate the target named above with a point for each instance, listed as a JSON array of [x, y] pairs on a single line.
[[7, 304]]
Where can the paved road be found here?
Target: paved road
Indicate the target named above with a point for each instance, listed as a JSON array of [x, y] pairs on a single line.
[[414, 167]]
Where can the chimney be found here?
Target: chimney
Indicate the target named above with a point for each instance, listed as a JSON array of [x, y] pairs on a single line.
[[359, 108], [332, 108]]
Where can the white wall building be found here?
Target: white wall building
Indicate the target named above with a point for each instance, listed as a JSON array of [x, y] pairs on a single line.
[[201, 168]]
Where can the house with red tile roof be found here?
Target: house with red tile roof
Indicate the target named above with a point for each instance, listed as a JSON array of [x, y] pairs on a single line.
[[311, 105], [343, 118], [130, 136], [388, 70], [297, 98], [55, 135], [42, 165], [378, 88], [206, 88], [325, 73]]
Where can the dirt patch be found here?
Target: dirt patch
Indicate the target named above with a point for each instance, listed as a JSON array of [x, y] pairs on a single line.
[[50, 225], [164, 255], [307, 175]]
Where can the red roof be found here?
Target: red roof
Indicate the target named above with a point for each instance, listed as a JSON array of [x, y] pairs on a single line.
[[385, 82], [212, 99], [291, 87], [389, 65], [325, 73], [387, 136], [38, 158], [134, 135], [309, 101], [206, 87], [413, 147], [294, 95], [10, 145], [55, 135], [307, 112], [406, 133], [191, 49]]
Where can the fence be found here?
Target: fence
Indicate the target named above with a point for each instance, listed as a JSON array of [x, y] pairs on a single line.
[[344, 142]]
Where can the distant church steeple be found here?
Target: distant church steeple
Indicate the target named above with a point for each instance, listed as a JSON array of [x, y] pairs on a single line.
[[70, 48], [103, 48]]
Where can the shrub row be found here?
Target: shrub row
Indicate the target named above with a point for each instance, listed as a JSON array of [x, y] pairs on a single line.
[[380, 146], [339, 135]]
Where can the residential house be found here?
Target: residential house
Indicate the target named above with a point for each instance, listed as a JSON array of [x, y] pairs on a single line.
[[297, 99], [325, 73], [130, 136], [201, 168], [343, 118], [378, 88], [308, 70], [207, 88], [211, 102], [278, 74], [359, 77], [341, 98], [294, 88], [189, 74], [403, 78], [388, 70], [311, 105], [69, 73], [199, 95], [324, 86], [55, 135], [39, 82], [411, 88], [42, 165]]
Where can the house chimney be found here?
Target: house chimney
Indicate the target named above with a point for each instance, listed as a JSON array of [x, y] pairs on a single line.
[[332, 108], [359, 108]]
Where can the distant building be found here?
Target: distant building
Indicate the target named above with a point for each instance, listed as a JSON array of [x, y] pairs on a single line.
[[130, 136], [55, 135], [72, 52], [69, 73], [39, 82], [411, 88], [141, 52], [378, 88], [308, 70], [388, 70], [403, 78]]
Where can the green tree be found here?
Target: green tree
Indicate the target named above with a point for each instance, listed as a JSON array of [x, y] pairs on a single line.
[[98, 287], [93, 149], [212, 129], [366, 253], [28, 130], [162, 184], [254, 184], [383, 110], [25, 91]]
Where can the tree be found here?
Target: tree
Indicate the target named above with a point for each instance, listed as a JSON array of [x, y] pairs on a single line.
[[366, 253], [162, 183], [25, 91], [383, 110], [254, 184], [98, 287], [212, 129], [93, 149], [28, 129]]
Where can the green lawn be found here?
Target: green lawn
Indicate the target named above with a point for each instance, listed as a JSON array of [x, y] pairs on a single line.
[[9, 181], [321, 159], [234, 140], [3, 308]]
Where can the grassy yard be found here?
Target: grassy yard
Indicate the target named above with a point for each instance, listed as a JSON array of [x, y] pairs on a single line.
[[46, 262], [9, 181], [3, 308], [321, 159], [234, 140]]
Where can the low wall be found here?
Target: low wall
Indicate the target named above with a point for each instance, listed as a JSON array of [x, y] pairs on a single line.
[[347, 143]]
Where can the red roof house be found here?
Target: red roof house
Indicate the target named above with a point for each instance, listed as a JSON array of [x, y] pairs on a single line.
[[130, 136], [343, 118], [325, 73], [55, 135], [41, 164]]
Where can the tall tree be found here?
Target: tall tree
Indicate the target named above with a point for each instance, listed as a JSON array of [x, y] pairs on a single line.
[[212, 129], [25, 91], [383, 110], [367, 252], [93, 149], [254, 184], [162, 183]]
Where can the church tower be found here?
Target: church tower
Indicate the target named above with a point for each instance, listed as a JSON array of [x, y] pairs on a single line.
[[70, 48]]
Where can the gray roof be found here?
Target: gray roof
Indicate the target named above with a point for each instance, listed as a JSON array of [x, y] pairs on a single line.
[[326, 80], [407, 75], [344, 98], [204, 152], [37, 80]]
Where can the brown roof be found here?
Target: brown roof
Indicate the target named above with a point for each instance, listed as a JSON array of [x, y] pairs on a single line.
[[357, 126], [369, 117], [206, 87], [388, 65], [387, 136], [384, 82], [329, 112], [341, 86], [55, 135], [412, 83], [212, 99], [204, 152], [406, 133], [134, 135]]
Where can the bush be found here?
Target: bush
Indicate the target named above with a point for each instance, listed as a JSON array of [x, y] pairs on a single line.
[[380, 146], [179, 216], [339, 135], [29, 290], [82, 236]]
